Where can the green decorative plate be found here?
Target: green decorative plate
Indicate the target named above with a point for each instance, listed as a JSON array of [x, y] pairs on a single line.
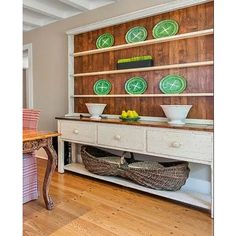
[[165, 28], [172, 84], [105, 40], [136, 34], [136, 85], [102, 87], [130, 119]]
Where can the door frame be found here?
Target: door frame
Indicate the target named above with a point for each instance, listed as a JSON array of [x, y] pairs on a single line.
[[29, 76]]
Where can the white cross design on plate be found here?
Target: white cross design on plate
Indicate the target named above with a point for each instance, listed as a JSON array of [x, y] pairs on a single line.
[[165, 30], [171, 85], [104, 42], [102, 87], [135, 86], [136, 35]]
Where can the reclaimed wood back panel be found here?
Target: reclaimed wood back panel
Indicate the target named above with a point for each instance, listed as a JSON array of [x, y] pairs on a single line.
[[199, 79]]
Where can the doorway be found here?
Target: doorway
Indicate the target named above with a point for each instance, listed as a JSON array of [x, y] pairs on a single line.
[[27, 76]]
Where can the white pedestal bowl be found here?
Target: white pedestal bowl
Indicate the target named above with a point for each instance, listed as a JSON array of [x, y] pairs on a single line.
[[176, 114], [95, 110]]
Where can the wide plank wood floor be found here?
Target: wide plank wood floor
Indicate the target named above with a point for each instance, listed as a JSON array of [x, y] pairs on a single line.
[[88, 207]]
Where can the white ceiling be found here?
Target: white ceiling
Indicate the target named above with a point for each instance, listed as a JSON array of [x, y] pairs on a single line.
[[38, 13]]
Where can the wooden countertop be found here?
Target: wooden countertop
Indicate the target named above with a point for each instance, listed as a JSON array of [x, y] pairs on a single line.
[[196, 127], [29, 135]]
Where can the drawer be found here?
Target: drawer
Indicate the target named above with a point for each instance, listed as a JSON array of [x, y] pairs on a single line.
[[185, 144], [128, 137], [78, 131]]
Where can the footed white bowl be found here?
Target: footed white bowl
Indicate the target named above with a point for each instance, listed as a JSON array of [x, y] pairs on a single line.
[[176, 114], [95, 109]]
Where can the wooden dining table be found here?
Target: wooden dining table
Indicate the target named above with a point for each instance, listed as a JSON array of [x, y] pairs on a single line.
[[34, 140]]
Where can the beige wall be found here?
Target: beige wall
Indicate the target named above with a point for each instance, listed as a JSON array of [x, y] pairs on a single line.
[[24, 88], [50, 57]]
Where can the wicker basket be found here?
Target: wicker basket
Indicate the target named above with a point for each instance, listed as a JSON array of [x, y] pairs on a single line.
[[100, 162], [164, 176]]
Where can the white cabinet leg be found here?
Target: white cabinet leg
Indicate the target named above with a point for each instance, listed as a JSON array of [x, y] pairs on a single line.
[[60, 155], [74, 152], [212, 192], [79, 153]]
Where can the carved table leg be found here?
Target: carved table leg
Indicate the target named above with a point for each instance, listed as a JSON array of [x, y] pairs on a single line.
[[51, 165]]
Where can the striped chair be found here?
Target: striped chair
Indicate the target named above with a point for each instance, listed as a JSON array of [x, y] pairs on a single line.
[[30, 176]]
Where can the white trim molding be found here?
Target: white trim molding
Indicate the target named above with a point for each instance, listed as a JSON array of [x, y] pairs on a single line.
[[29, 76], [70, 70], [158, 9]]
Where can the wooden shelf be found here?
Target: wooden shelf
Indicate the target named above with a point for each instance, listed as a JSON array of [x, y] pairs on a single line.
[[145, 95], [152, 68], [183, 195], [147, 42]]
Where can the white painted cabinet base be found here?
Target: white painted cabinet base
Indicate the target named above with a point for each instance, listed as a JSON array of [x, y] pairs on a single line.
[[105, 136]]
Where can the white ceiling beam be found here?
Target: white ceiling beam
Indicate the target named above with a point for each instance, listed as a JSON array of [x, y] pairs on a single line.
[[82, 5], [27, 27], [30, 24], [101, 3], [29, 20], [42, 8]]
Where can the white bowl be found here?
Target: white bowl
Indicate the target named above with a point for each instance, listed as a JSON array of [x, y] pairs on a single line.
[[176, 114], [95, 109]]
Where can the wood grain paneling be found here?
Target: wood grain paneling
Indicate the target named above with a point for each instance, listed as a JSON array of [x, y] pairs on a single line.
[[199, 79], [190, 19], [176, 52], [202, 106]]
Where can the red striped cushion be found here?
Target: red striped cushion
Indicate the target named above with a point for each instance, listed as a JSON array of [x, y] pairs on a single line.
[[30, 178], [30, 118]]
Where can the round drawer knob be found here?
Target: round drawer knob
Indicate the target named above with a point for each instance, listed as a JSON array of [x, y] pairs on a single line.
[[176, 144], [117, 137], [76, 131]]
